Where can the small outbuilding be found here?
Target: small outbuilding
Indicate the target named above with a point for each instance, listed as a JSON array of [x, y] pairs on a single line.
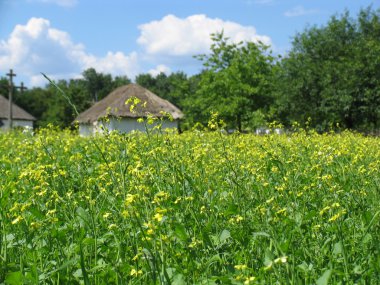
[[114, 112], [20, 118]]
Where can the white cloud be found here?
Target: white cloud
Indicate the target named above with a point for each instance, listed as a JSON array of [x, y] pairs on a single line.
[[63, 3], [161, 68], [173, 36], [37, 47], [300, 11]]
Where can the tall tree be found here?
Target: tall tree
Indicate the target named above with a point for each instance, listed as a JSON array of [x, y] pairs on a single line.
[[4, 87], [236, 81], [98, 85], [174, 87], [147, 81], [332, 74]]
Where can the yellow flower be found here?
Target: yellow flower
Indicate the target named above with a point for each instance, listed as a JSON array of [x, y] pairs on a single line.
[[135, 272], [41, 193], [239, 277], [282, 259], [240, 267], [269, 200], [281, 211], [35, 225], [160, 196], [194, 242], [338, 215], [177, 200], [112, 226], [239, 218], [15, 207], [17, 220], [158, 217], [130, 199], [136, 257], [51, 212], [249, 280], [321, 212], [316, 227]]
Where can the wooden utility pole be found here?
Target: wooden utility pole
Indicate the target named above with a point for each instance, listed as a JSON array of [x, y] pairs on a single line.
[[10, 75], [11, 86], [21, 87]]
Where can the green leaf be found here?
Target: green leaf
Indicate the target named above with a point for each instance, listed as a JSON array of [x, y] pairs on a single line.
[[9, 237], [261, 234], [179, 279], [224, 235], [324, 279], [303, 266], [268, 258], [83, 217], [367, 238], [14, 278], [213, 259], [338, 248], [180, 232], [232, 210], [88, 241], [62, 267]]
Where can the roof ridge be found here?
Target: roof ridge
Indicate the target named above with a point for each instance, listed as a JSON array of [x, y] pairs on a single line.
[[17, 112]]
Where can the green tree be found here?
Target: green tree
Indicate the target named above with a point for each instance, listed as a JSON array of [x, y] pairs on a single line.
[[119, 81], [4, 87], [35, 101], [236, 82], [174, 87], [98, 85], [158, 84], [332, 74]]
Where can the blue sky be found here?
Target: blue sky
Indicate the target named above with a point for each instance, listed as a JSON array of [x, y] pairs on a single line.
[[123, 37]]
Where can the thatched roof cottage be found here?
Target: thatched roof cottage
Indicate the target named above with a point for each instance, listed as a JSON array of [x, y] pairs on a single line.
[[113, 113], [20, 118]]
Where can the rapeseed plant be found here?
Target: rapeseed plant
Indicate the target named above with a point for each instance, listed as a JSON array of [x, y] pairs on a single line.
[[200, 207]]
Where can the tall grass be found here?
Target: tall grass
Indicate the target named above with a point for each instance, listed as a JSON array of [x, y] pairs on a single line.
[[196, 208]]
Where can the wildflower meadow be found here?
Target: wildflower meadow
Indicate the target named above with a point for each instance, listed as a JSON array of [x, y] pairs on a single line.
[[200, 207]]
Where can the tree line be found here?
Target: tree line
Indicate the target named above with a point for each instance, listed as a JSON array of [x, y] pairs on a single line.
[[329, 78]]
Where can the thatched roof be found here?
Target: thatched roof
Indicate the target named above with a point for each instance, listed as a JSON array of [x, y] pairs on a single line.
[[114, 105], [17, 112]]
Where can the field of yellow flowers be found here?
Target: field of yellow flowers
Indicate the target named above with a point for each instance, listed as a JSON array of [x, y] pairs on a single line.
[[196, 208]]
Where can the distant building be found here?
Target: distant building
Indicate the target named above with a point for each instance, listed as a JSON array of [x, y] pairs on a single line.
[[267, 131], [20, 118], [112, 112]]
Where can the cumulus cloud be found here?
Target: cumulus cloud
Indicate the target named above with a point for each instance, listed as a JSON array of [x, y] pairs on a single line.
[[37, 47], [161, 68], [300, 11], [63, 3], [114, 63], [173, 36]]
